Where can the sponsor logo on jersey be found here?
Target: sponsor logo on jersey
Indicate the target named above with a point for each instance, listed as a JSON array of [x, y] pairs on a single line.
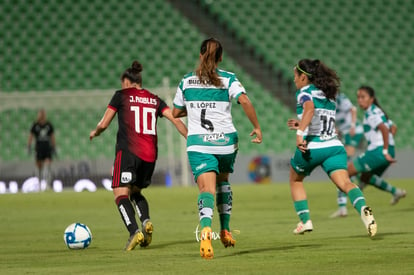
[[198, 82], [217, 138], [143, 100], [126, 177]]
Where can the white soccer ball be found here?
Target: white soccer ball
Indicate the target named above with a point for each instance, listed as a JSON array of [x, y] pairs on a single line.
[[77, 236]]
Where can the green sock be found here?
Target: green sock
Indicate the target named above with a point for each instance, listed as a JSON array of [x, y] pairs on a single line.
[[341, 199], [205, 208], [302, 210], [357, 199], [382, 184], [224, 201]]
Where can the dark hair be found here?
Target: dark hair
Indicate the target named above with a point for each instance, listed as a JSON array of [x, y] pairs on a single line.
[[320, 75], [133, 73], [370, 91], [211, 52]]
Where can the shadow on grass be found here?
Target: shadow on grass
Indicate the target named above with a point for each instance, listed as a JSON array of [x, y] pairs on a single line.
[[380, 236], [266, 249]]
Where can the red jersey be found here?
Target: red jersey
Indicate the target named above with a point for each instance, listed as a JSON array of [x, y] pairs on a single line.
[[138, 112]]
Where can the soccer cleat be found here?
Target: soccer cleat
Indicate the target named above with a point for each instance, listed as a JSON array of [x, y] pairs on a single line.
[[148, 228], [134, 240], [301, 228], [341, 212], [206, 249], [369, 221], [397, 196], [227, 238]]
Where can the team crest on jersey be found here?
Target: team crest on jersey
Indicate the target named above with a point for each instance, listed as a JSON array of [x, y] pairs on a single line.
[[216, 138], [126, 177]]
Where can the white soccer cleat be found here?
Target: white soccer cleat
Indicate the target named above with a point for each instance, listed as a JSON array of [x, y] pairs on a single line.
[[301, 228], [397, 196], [341, 212], [368, 220]]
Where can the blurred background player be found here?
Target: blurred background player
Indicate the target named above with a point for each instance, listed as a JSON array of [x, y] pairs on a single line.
[[380, 153], [350, 132], [205, 97], [45, 147], [317, 143], [136, 149]]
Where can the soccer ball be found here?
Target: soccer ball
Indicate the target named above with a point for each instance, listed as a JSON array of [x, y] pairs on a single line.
[[77, 236]]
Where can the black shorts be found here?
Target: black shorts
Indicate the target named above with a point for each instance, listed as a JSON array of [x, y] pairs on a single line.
[[43, 152], [130, 170]]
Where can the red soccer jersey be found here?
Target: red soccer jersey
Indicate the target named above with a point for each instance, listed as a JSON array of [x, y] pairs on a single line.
[[138, 111]]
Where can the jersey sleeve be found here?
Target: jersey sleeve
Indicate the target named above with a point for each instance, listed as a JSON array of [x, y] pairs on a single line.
[[303, 97], [346, 104], [162, 107], [116, 101], [374, 120], [32, 129], [179, 97], [235, 88]]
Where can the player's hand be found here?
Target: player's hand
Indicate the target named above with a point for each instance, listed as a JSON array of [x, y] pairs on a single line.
[[258, 133], [389, 158], [92, 134], [301, 144], [293, 124], [352, 131]]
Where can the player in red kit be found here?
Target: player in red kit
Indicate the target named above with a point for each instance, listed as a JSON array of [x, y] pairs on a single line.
[[136, 149]]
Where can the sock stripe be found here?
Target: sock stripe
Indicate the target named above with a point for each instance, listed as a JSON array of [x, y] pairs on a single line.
[[303, 211], [356, 200]]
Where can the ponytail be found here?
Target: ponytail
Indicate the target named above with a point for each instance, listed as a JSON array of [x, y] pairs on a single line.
[[323, 77], [211, 52]]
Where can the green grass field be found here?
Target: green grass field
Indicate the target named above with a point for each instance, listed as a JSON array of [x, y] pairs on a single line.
[[32, 225]]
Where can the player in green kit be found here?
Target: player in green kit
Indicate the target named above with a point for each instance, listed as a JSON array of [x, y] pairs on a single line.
[[204, 96], [317, 142], [379, 132]]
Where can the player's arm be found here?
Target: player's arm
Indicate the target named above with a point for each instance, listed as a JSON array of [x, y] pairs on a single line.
[[29, 143], [307, 115], [393, 128], [251, 115], [103, 124], [176, 121], [353, 121], [178, 112], [385, 137]]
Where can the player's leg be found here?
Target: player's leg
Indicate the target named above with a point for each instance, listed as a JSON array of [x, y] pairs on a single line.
[[47, 175], [357, 199], [224, 202], [380, 183], [144, 174], [300, 202], [121, 181], [38, 172], [205, 169], [207, 186], [224, 197]]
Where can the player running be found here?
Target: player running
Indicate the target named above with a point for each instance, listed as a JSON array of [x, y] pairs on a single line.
[[136, 149], [379, 132], [205, 97], [317, 142]]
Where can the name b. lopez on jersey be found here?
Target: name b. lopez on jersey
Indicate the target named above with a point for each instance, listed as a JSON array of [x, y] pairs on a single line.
[[203, 105]]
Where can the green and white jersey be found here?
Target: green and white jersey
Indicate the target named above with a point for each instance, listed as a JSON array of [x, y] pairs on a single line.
[[373, 117], [210, 125], [321, 131], [344, 115]]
